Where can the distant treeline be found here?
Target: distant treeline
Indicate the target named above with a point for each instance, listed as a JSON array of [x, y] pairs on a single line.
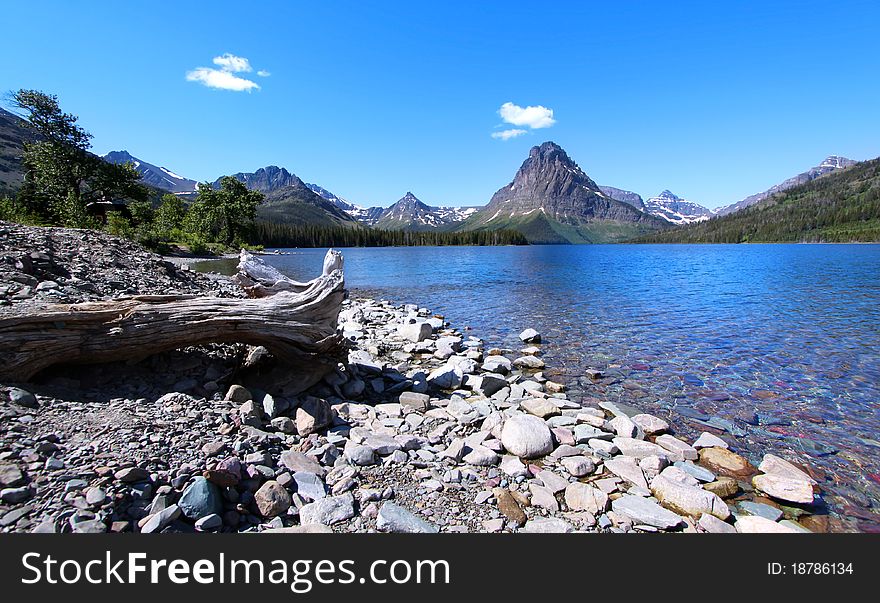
[[840, 207], [271, 234]]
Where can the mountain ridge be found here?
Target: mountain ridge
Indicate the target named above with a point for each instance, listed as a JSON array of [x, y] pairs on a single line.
[[829, 165], [552, 200]]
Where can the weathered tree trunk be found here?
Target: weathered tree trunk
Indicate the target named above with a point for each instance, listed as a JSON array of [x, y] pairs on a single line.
[[297, 324], [261, 280]]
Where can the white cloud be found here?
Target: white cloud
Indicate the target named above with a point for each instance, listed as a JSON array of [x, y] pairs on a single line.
[[533, 117], [224, 78], [233, 64], [508, 134]]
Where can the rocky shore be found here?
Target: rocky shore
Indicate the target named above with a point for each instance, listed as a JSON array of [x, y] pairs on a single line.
[[421, 429]]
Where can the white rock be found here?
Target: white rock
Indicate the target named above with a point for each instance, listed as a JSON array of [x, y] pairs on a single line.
[[754, 524], [790, 490], [688, 500], [682, 450], [779, 466], [584, 497], [530, 336], [708, 440], [526, 436], [650, 424]]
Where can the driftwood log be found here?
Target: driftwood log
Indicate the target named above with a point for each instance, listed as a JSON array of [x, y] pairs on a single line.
[[294, 321]]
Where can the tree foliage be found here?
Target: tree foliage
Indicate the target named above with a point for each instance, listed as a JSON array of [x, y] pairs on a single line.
[[224, 214], [839, 207], [61, 176], [271, 234]]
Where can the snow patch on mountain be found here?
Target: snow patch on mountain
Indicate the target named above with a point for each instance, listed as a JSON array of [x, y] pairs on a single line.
[[676, 210]]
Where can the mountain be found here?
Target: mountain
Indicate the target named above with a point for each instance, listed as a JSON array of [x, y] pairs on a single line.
[[152, 175], [290, 201], [551, 200], [841, 206], [676, 210], [829, 165], [366, 215], [618, 194], [14, 132], [409, 213]]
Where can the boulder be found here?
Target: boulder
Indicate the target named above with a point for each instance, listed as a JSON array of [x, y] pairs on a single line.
[[530, 336], [201, 498], [775, 465], [394, 518], [797, 491], [753, 524], [725, 462], [526, 436], [272, 499], [649, 424], [415, 332], [313, 415], [584, 497], [688, 500], [644, 511], [328, 511]]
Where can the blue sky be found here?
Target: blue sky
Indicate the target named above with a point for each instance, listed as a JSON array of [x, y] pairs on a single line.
[[712, 100]]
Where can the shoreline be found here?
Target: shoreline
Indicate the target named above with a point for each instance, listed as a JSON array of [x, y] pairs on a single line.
[[421, 429]]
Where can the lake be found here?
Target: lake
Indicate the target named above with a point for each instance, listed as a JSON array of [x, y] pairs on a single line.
[[778, 344]]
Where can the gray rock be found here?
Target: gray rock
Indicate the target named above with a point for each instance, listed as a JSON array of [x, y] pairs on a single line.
[[328, 511], [209, 523], [677, 447], [22, 397], [11, 476], [578, 466], [529, 362], [700, 473], [131, 475], [309, 485], [15, 495], [416, 401], [760, 509], [160, 520], [644, 511], [628, 469], [394, 518], [200, 498], [297, 461], [360, 455], [624, 427]]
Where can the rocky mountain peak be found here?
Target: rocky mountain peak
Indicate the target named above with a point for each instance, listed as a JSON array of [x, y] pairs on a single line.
[[668, 194], [836, 162]]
